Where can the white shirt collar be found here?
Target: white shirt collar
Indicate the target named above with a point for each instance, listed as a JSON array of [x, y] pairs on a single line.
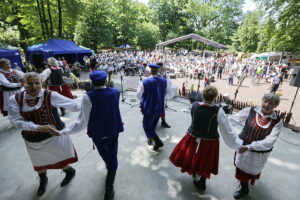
[[100, 87], [258, 110], [27, 96], [2, 70]]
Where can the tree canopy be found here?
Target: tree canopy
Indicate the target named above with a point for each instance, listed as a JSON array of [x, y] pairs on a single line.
[[109, 23]]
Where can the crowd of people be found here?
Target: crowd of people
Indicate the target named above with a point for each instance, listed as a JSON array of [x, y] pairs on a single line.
[[35, 111]]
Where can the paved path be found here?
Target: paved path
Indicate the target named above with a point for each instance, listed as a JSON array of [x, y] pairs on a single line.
[[142, 174]]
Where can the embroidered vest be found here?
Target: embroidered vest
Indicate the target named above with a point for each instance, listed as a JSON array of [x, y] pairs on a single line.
[[154, 96], [56, 77], [13, 78], [46, 114], [253, 132], [105, 118], [204, 121]]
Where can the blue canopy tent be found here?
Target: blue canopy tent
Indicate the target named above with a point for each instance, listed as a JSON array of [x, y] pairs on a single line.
[[39, 53], [125, 46], [13, 55]]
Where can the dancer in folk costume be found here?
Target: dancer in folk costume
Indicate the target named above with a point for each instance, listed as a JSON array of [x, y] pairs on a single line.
[[261, 130], [152, 93], [164, 75], [10, 84], [198, 152], [56, 82], [100, 113], [35, 112]]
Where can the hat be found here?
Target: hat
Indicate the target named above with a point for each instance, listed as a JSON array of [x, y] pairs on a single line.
[[160, 63], [154, 66], [98, 75]]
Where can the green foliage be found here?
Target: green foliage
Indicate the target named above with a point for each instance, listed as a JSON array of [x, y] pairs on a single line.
[[248, 32], [147, 36], [94, 29], [110, 23], [283, 32]]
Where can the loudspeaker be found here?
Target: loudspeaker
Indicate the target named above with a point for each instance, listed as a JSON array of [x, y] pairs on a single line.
[[295, 80], [195, 96]]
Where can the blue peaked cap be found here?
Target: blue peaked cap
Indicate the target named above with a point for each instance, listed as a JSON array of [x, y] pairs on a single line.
[[154, 66], [98, 75]]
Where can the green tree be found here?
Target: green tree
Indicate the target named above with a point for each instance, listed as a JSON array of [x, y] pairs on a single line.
[[266, 33], [168, 15], [94, 29], [286, 36], [248, 32], [147, 36]]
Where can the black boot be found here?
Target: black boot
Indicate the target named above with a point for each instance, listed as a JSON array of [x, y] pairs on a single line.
[[157, 143], [70, 173], [109, 185], [43, 184], [150, 141], [164, 123], [200, 182], [242, 192], [63, 112]]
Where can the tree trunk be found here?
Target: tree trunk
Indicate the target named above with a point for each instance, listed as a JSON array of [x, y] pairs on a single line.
[[45, 19], [50, 19], [41, 19], [59, 8]]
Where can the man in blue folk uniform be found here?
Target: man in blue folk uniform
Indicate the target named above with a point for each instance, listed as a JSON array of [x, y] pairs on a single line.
[[163, 74], [152, 93], [101, 114]]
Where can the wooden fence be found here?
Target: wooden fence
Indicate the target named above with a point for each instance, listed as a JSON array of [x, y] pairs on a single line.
[[239, 105]]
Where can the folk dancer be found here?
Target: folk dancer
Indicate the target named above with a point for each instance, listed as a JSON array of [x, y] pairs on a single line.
[[152, 93], [164, 75], [261, 130], [10, 84], [35, 112], [198, 151], [56, 82], [100, 113]]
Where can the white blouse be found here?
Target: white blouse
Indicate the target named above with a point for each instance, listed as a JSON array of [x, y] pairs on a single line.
[[249, 161], [57, 100], [169, 91]]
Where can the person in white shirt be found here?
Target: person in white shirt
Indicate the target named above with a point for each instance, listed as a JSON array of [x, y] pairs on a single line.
[[10, 84], [261, 130], [152, 93], [198, 151], [35, 112]]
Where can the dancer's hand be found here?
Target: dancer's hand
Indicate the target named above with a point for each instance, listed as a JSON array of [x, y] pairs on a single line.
[[45, 128], [54, 132], [243, 149]]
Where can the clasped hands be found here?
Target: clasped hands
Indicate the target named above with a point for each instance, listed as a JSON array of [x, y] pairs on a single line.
[[243, 149], [48, 129]]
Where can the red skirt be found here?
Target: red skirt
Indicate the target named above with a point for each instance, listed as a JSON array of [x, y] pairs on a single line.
[[204, 162], [4, 113], [245, 177], [63, 90]]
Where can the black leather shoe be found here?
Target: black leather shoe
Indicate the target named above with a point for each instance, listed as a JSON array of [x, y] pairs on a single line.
[[63, 112], [109, 195], [42, 187], [240, 193], [157, 143], [70, 173], [200, 183], [150, 141], [165, 124], [157, 146]]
